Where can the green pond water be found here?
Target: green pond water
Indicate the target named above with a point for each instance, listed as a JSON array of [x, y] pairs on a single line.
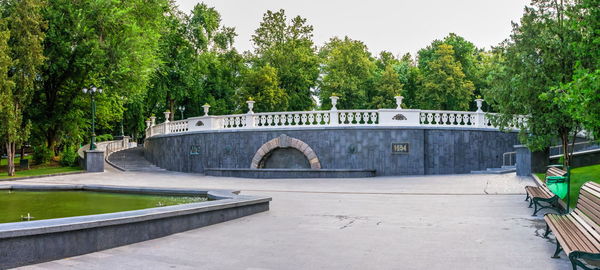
[[57, 204]]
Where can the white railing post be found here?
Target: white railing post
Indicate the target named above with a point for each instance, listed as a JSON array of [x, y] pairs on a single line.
[[250, 123], [152, 124], [166, 123], [333, 113], [148, 128], [480, 115]]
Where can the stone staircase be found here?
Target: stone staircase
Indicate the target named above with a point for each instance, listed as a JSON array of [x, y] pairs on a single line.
[[133, 159], [501, 170]]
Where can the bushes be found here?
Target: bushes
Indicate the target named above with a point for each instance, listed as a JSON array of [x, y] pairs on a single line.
[[42, 154], [68, 156], [104, 137]]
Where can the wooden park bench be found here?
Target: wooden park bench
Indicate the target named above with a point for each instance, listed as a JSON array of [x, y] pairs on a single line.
[[538, 194], [578, 232]]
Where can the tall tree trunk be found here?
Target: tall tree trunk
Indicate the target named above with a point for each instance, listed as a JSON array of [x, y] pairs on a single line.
[[172, 109], [564, 136], [10, 152]]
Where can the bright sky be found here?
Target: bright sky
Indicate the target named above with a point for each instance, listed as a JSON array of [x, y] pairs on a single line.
[[397, 26]]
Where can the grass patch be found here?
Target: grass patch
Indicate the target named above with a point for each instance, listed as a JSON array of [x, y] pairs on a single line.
[[4, 161], [41, 171], [578, 177], [51, 167]]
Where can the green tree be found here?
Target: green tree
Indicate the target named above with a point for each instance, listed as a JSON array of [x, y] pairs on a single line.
[[178, 69], [6, 84], [26, 27], [387, 85], [444, 86], [262, 85], [532, 62], [410, 78], [198, 64], [581, 95], [348, 71], [288, 47], [111, 44]]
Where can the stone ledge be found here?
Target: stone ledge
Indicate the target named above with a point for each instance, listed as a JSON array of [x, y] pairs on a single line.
[[67, 237], [290, 173]]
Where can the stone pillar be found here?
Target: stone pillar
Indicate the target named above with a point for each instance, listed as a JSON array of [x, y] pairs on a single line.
[[530, 162], [479, 117], [94, 160], [333, 114]]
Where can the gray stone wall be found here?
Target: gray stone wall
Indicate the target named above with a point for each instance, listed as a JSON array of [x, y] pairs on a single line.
[[431, 150]]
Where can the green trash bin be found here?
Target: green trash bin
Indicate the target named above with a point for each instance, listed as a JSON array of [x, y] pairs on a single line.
[[558, 185]]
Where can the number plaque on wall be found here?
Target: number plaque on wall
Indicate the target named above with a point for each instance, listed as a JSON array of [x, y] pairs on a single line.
[[195, 150], [399, 148]]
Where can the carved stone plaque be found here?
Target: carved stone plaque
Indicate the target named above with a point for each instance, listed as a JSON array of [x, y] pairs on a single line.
[[400, 148]]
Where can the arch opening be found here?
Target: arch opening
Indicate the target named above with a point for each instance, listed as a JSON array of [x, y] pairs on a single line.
[[285, 152]]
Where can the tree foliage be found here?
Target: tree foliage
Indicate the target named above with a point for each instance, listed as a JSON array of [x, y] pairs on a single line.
[[288, 47], [25, 52], [533, 61], [348, 70], [110, 44], [444, 85]]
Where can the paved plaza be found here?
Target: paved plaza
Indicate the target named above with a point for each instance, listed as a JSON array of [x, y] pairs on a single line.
[[416, 222]]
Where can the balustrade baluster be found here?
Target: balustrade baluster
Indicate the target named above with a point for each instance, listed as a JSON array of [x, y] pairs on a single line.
[[465, 119], [374, 117]]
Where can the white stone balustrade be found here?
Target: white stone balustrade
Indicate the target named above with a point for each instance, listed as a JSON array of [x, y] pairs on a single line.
[[334, 117]]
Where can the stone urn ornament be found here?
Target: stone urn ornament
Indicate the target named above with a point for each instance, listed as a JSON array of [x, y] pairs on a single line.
[[206, 107], [399, 102], [250, 105], [167, 114], [479, 102], [153, 120], [334, 100], [148, 123]]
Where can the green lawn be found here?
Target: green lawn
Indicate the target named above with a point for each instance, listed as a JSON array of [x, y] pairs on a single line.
[[4, 161], [578, 177], [41, 171], [50, 168]]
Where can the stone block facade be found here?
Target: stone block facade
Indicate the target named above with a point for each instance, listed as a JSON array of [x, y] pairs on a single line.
[[431, 150]]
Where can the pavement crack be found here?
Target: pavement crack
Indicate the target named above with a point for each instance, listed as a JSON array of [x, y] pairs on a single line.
[[349, 224]]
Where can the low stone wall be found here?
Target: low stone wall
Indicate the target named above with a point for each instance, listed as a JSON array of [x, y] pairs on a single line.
[[24, 243], [580, 159], [290, 173], [428, 150]]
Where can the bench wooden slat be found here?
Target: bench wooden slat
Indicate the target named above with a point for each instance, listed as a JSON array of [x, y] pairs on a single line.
[[589, 221], [574, 242], [580, 229], [585, 237], [584, 221], [561, 235], [595, 187], [588, 207], [584, 206]]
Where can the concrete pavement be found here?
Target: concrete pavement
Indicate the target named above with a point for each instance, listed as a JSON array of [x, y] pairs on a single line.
[[420, 222]]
